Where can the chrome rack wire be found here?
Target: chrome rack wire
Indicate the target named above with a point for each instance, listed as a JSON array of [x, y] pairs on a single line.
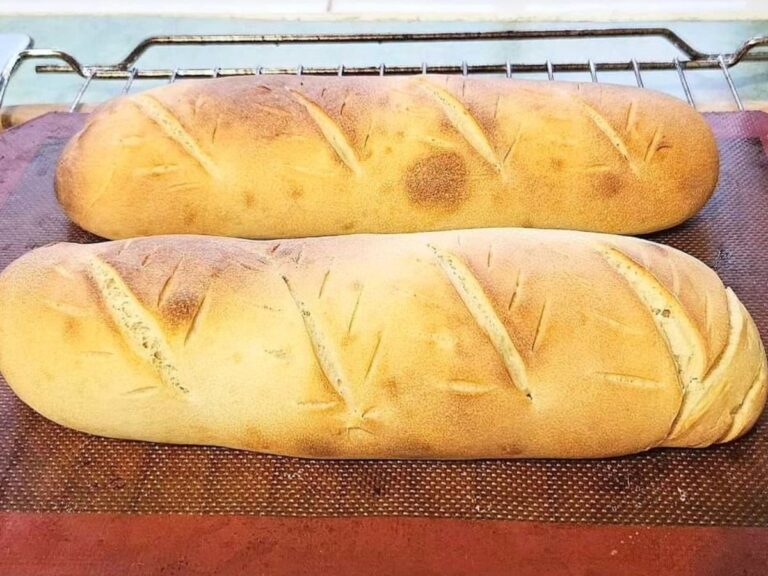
[[127, 69]]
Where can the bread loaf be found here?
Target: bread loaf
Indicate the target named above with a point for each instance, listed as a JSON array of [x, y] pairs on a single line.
[[287, 156], [470, 344]]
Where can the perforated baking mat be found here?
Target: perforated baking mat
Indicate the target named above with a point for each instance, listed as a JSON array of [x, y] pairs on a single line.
[[47, 468]]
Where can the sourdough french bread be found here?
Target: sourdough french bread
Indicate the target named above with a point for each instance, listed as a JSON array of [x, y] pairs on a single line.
[[287, 156], [468, 344]]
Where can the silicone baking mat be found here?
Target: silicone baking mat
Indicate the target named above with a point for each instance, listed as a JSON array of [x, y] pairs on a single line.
[[46, 468]]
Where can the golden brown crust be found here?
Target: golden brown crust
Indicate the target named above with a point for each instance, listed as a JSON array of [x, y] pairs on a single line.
[[467, 344], [284, 156]]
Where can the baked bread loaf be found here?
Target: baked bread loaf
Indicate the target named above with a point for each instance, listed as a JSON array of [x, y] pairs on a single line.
[[470, 344], [288, 156]]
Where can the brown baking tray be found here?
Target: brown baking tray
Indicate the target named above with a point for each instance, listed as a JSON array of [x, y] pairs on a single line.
[[46, 468]]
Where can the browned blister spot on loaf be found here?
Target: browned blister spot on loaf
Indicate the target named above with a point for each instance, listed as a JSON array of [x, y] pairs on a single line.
[[389, 387], [316, 447], [189, 217], [71, 327], [272, 121], [180, 307], [557, 164], [438, 181], [510, 449], [252, 438], [608, 184]]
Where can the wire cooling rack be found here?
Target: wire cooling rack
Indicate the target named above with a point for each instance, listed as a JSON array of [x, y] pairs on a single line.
[[128, 70]]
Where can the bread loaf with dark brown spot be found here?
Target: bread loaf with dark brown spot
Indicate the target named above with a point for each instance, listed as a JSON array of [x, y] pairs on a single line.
[[287, 156]]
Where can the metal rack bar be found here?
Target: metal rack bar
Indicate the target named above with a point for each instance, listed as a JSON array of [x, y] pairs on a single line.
[[550, 70], [731, 85], [638, 76], [592, 70], [684, 82], [129, 83], [127, 69], [744, 52], [81, 92], [554, 67], [35, 54], [276, 39]]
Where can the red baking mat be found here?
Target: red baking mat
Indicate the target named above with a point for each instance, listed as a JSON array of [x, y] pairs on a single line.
[[109, 544], [46, 468]]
